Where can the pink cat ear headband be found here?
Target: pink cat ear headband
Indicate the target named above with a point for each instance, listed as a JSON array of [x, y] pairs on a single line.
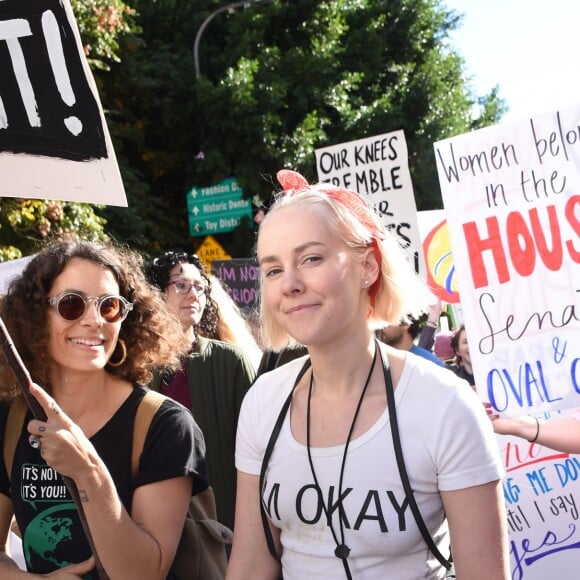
[[292, 181]]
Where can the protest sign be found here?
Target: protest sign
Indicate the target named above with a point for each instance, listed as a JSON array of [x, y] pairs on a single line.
[[54, 141], [513, 210], [438, 256], [240, 277], [541, 490], [378, 168], [10, 270]]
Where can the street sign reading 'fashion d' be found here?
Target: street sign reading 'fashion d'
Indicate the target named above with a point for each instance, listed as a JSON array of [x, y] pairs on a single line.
[[217, 208]]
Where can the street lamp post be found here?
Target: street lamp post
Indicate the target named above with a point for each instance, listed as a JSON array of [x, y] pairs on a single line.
[[204, 25]]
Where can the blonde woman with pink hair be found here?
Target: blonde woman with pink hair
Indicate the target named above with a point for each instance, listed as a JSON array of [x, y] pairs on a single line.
[[319, 491]]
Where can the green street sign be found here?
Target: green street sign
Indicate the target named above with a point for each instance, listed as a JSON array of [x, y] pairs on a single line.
[[226, 188], [219, 206], [217, 224], [216, 209]]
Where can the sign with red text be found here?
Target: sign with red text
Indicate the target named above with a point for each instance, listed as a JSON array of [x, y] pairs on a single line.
[[378, 167], [541, 490], [54, 141], [512, 201]]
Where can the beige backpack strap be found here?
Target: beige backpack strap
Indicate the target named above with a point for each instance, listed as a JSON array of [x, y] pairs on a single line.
[[147, 408], [14, 423]]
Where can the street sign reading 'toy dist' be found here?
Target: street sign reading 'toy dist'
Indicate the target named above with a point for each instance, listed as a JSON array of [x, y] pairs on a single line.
[[217, 208]]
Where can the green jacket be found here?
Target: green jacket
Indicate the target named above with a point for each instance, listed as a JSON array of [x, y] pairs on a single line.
[[219, 375]]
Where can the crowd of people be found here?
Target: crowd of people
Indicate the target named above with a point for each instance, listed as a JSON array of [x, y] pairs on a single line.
[[286, 426]]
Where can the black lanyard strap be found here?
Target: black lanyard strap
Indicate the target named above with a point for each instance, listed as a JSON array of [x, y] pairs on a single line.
[[398, 455], [403, 470], [266, 459]]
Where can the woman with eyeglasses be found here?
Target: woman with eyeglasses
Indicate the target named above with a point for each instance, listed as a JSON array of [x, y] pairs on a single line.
[[90, 330], [214, 376]]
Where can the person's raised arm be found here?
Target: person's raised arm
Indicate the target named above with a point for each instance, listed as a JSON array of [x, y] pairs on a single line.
[[159, 509], [427, 336], [559, 434]]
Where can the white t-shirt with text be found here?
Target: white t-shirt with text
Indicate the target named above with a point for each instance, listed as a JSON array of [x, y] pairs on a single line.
[[448, 444]]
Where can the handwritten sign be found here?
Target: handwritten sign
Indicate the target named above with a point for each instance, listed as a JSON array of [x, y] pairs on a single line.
[[54, 142], [511, 195], [240, 277], [542, 495], [512, 200], [378, 167]]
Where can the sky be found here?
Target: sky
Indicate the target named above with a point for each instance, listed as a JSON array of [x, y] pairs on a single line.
[[529, 48]]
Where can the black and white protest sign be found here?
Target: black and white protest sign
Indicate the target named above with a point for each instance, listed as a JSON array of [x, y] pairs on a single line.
[[378, 168], [46, 105], [54, 141]]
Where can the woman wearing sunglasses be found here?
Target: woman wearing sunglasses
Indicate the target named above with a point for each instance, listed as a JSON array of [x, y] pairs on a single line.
[[215, 374], [90, 329]]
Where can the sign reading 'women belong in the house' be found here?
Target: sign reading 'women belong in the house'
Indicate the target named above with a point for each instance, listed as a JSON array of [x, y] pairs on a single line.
[[512, 200]]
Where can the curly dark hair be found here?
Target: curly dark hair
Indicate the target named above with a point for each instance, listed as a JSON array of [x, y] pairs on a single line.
[[152, 336], [158, 273]]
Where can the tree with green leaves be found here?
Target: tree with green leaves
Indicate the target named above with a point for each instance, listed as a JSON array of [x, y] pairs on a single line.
[[277, 80]]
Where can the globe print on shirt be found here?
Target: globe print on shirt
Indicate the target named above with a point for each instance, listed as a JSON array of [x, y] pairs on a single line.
[[47, 534], [54, 535]]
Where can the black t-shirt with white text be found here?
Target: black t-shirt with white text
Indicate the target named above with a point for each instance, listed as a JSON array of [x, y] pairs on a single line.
[[52, 534]]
